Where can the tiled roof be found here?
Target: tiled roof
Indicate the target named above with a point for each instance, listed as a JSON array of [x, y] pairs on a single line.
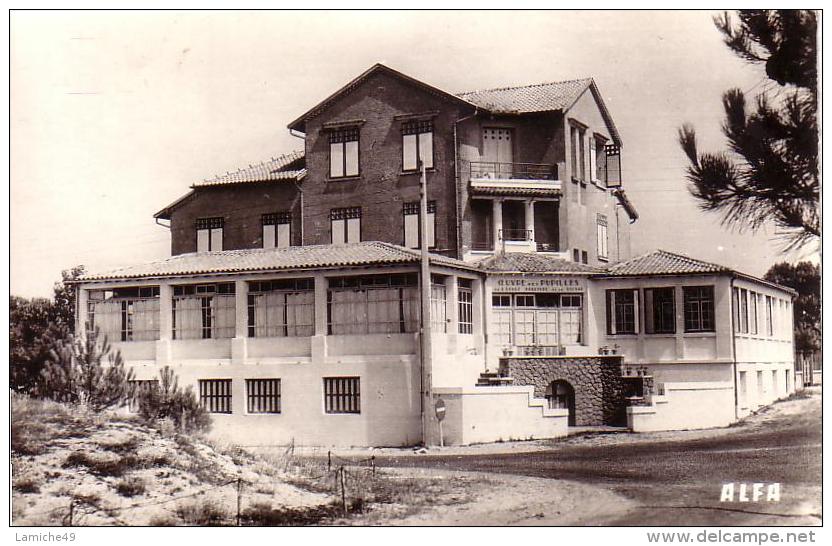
[[542, 97], [276, 168], [661, 262], [518, 262], [525, 192], [296, 257]]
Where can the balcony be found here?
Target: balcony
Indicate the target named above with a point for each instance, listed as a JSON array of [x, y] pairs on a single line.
[[515, 234], [490, 176]]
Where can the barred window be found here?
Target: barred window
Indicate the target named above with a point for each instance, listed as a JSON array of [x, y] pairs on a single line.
[[215, 395], [659, 310], [263, 395], [137, 388], [281, 308], [342, 394], [277, 230], [417, 144], [345, 225], [699, 308], [125, 314], [204, 311], [465, 302], [412, 226], [209, 234], [343, 153], [373, 304]]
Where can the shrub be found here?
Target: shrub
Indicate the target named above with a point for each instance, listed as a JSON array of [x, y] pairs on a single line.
[[77, 373], [165, 400], [26, 485], [104, 467], [205, 513], [130, 488]]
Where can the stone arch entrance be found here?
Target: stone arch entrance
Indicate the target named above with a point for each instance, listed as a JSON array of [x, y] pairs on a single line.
[[561, 395]]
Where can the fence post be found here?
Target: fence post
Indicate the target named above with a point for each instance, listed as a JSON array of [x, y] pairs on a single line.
[[343, 493], [71, 509], [239, 498], [329, 461], [373, 464]]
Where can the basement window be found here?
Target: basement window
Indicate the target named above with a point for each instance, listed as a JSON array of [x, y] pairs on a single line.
[[342, 394], [215, 395], [263, 395]]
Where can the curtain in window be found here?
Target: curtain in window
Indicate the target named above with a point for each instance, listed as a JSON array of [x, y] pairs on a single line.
[[438, 303], [107, 317], [570, 323], [146, 320], [383, 311], [300, 313], [502, 326], [547, 327], [224, 313], [348, 312], [188, 314], [410, 308]]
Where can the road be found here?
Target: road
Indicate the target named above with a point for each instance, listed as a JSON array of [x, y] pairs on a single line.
[[678, 481]]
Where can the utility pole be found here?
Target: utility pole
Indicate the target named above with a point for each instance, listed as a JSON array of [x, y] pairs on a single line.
[[425, 332]]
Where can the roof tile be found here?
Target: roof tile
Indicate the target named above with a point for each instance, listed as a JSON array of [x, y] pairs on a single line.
[[661, 262], [276, 168], [542, 97], [518, 262]]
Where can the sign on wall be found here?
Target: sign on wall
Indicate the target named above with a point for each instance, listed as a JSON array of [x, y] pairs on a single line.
[[539, 284]]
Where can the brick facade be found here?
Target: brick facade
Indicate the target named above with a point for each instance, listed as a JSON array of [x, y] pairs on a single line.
[[381, 187], [241, 206], [600, 391]]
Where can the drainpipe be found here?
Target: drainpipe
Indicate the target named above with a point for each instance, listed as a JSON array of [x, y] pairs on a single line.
[[734, 350], [298, 186], [457, 192]]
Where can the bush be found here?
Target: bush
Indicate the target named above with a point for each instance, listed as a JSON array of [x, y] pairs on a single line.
[[104, 467], [206, 513], [165, 400], [130, 488], [26, 485]]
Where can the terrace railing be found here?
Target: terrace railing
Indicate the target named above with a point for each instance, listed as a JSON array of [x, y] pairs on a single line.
[[513, 171], [507, 234]]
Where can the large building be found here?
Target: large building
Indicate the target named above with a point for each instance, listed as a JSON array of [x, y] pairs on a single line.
[[292, 301]]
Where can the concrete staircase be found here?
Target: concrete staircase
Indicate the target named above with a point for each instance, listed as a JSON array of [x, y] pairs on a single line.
[[493, 379]]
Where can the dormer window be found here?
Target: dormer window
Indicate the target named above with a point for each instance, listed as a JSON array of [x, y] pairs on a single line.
[[343, 152], [209, 234], [417, 144]]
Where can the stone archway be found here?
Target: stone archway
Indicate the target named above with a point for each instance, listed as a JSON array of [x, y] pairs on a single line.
[[561, 395]]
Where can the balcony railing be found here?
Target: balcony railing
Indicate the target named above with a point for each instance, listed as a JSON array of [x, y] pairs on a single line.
[[507, 234], [547, 247], [482, 245], [513, 171]]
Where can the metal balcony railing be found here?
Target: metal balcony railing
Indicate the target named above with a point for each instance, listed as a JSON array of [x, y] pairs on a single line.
[[547, 247], [482, 245], [507, 234], [513, 171]]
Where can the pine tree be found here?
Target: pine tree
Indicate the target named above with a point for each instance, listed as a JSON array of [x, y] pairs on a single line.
[[771, 172]]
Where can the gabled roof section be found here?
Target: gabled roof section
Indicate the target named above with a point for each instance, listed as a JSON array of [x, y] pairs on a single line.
[[541, 97], [520, 262], [300, 123], [662, 262], [291, 166], [312, 257]]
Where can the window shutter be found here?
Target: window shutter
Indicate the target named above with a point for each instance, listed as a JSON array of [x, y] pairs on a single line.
[[338, 232], [283, 234], [613, 159], [351, 151], [426, 149], [216, 239], [268, 236], [336, 159], [592, 159], [203, 240], [409, 152], [354, 230], [636, 311], [411, 230]]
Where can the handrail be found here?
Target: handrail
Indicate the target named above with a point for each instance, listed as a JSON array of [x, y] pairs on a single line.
[[517, 171]]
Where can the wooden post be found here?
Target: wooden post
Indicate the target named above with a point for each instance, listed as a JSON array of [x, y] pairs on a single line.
[[329, 461], [239, 498], [71, 509], [425, 349], [373, 464], [343, 492]]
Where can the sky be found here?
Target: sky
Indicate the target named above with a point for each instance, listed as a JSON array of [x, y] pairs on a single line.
[[115, 114]]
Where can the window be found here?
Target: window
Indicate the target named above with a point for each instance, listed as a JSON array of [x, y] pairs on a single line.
[[215, 395], [622, 308], [537, 320], [209, 234], [576, 255], [578, 145], [465, 301], [345, 225], [699, 308], [281, 308], [277, 230], [584, 257], [601, 222], [438, 304], [204, 311], [598, 158], [343, 153], [743, 311], [417, 144], [342, 395], [137, 388], [125, 314], [411, 224], [263, 395], [375, 304], [769, 317], [752, 319], [659, 310]]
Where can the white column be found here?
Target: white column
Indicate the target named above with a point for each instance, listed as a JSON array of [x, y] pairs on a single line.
[[478, 304], [163, 348], [318, 349], [451, 304], [241, 300], [497, 217], [81, 299], [530, 219]]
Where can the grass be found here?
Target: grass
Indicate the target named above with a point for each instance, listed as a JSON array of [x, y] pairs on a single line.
[[203, 514], [263, 515], [130, 488]]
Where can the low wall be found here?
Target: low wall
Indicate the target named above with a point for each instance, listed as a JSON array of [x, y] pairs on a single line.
[[685, 406], [493, 414], [599, 387]]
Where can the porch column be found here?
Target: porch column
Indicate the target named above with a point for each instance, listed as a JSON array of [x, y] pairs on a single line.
[[497, 217], [530, 219], [318, 341], [477, 301], [451, 306], [163, 352], [239, 345], [81, 299]]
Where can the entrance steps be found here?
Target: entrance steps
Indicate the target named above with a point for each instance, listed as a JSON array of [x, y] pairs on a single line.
[[493, 379]]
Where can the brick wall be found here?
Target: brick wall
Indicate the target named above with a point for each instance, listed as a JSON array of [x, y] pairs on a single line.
[[599, 388], [382, 187], [241, 206]]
